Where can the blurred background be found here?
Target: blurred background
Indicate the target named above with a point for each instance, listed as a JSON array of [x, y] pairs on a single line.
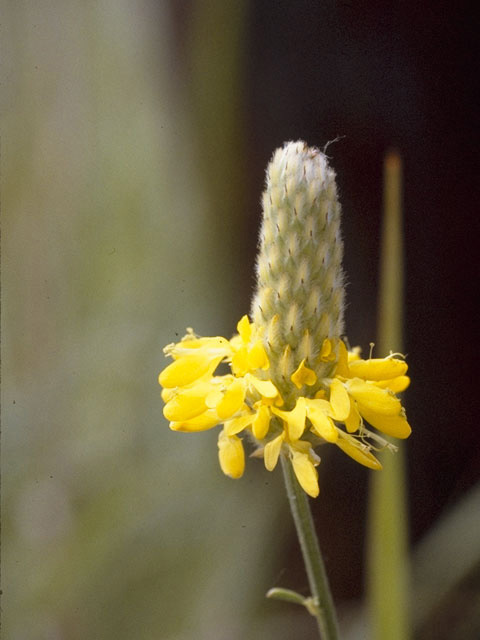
[[135, 137]]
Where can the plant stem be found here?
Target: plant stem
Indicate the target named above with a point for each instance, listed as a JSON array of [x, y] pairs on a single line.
[[317, 577]]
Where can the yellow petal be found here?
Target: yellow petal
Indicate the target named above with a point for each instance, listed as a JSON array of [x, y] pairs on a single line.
[[187, 404], [396, 426], [272, 451], [236, 342], [373, 398], [397, 385], [303, 446], [257, 357], [353, 421], [378, 368], [265, 388], [231, 455], [232, 400], [295, 419], [261, 423], [322, 424], [240, 361], [342, 369], [190, 343], [232, 427], [327, 353], [340, 400], [354, 354], [320, 403], [244, 328], [306, 473], [358, 452], [187, 369], [202, 422], [213, 398], [303, 375], [167, 394]]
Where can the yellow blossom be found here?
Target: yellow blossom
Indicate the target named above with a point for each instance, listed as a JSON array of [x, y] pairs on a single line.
[[247, 402], [293, 385], [303, 375], [231, 455], [306, 473]]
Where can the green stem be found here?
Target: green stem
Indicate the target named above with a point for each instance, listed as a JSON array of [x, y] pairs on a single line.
[[317, 577]]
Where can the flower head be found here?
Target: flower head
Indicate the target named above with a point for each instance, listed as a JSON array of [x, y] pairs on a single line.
[[292, 386]]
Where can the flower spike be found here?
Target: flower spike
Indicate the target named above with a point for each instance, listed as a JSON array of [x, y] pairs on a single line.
[[293, 384]]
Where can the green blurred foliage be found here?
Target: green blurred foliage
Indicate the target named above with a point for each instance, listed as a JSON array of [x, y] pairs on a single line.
[[115, 527]]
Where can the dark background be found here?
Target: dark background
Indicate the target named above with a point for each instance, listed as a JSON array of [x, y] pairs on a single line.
[[382, 75]]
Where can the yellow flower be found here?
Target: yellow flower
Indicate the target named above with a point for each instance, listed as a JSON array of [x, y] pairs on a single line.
[[293, 385], [371, 386], [248, 404], [248, 351], [231, 455], [303, 458]]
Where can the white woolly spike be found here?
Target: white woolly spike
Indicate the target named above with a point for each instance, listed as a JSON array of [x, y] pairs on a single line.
[[300, 258]]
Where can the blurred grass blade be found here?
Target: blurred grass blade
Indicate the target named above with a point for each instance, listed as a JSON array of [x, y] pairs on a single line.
[[387, 558], [216, 62]]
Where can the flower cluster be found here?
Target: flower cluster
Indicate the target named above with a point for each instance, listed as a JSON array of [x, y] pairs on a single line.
[[292, 383], [247, 402]]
